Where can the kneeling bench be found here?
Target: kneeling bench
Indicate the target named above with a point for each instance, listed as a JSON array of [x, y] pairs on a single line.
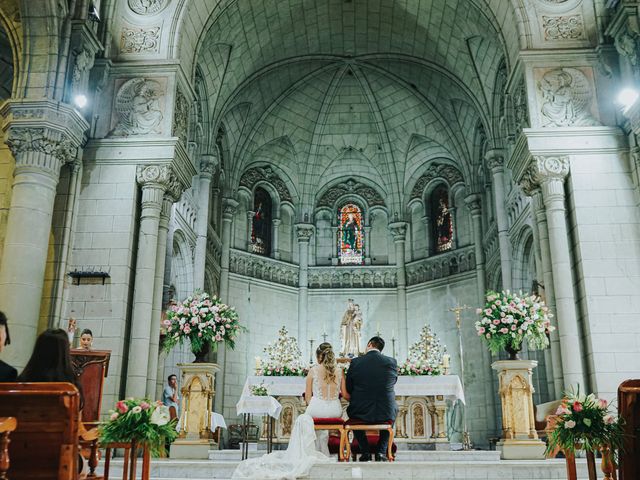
[[334, 424], [352, 425]]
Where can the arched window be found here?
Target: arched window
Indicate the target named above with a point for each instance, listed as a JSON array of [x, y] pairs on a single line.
[[350, 235], [442, 220], [261, 224]]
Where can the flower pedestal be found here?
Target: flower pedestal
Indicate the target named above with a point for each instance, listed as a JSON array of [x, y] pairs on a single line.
[[194, 441], [519, 437]]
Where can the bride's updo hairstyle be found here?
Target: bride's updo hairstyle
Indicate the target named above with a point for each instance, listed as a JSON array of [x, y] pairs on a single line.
[[327, 358]]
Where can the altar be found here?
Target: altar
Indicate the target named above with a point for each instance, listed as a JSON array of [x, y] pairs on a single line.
[[423, 402]]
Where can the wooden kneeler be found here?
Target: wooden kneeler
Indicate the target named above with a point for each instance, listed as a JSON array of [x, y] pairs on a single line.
[[334, 424], [350, 427]]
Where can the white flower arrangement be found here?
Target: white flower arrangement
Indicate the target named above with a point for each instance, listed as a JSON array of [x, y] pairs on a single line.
[[284, 358]]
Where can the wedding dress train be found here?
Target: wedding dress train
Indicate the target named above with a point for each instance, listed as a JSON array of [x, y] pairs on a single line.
[[303, 450]]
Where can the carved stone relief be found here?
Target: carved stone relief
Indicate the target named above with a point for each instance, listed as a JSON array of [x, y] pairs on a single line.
[[440, 266], [256, 174], [450, 173], [627, 44], [566, 98], [139, 108], [40, 140], [147, 7], [563, 27], [331, 196], [140, 40], [520, 108], [180, 116], [83, 63], [418, 420]]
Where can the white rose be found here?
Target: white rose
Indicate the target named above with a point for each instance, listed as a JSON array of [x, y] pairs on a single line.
[[136, 409], [160, 416], [569, 424]]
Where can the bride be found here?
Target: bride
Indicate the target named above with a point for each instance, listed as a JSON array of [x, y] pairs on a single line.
[[324, 382]]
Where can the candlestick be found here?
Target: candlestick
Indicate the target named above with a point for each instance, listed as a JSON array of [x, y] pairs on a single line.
[[258, 365], [311, 351], [457, 311], [393, 346]]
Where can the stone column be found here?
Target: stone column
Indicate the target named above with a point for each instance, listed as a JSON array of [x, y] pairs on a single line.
[[250, 214], [474, 203], [304, 232], [554, 369], [207, 167], [550, 173], [41, 138], [495, 162], [426, 220], [158, 289], [154, 180], [275, 238], [229, 206], [399, 233]]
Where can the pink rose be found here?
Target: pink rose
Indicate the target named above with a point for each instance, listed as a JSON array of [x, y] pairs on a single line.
[[122, 407], [496, 322], [187, 329], [144, 406], [488, 335], [481, 330], [609, 419], [200, 334], [504, 330], [577, 406], [166, 322], [602, 403], [114, 416], [562, 410], [513, 327]]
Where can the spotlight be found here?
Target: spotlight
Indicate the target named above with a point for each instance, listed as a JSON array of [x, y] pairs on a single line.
[[80, 101], [627, 97]]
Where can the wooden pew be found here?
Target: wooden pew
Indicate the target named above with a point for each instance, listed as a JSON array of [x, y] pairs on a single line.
[[629, 410], [44, 444], [7, 425]]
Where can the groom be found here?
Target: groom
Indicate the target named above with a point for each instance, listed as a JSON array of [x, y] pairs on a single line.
[[370, 380]]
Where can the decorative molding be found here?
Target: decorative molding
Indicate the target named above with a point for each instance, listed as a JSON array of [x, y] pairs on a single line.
[[566, 96], [542, 169], [229, 207], [442, 265], [56, 147], [353, 277], [160, 177], [140, 40], [304, 231], [147, 7], [138, 108], [398, 231], [520, 108], [257, 174], [180, 125], [436, 170], [563, 27], [263, 268], [351, 186]]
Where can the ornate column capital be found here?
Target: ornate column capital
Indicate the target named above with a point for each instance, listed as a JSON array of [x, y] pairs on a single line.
[[304, 232], [276, 222], [544, 169], [398, 231], [208, 165], [474, 203], [495, 160], [229, 206]]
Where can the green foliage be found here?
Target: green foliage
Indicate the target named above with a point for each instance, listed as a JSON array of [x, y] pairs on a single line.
[[141, 420]]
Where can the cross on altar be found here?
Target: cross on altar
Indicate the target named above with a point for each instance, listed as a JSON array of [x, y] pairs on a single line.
[[324, 337]]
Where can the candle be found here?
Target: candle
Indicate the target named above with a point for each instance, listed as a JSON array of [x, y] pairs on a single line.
[[393, 333], [258, 363], [445, 360], [378, 326]]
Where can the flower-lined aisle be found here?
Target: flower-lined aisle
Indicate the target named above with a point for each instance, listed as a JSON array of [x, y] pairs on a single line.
[[283, 357], [426, 357]]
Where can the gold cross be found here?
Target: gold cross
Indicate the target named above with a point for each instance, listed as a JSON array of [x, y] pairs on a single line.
[[457, 310]]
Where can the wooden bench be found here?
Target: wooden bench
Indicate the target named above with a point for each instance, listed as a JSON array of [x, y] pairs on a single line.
[[7, 425], [335, 424], [351, 425], [44, 444]]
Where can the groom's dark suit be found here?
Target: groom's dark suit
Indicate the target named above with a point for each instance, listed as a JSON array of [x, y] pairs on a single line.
[[370, 381]]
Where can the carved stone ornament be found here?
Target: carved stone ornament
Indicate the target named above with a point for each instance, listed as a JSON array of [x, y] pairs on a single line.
[[627, 43], [564, 27], [180, 117], [229, 207], [256, 174], [208, 165], [398, 230], [41, 140], [154, 174], [520, 108], [83, 63], [450, 173], [304, 232], [567, 96], [442, 265], [140, 40], [138, 108], [331, 196], [147, 7], [495, 160], [543, 168]]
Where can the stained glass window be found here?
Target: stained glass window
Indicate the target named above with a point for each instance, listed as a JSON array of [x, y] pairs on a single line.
[[350, 235], [442, 220], [261, 224]]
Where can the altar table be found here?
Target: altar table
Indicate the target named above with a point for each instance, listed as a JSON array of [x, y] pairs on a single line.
[[422, 402]]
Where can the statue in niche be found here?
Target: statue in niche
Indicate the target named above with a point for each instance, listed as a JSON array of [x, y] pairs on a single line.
[[138, 108], [566, 99], [350, 232], [350, 328]]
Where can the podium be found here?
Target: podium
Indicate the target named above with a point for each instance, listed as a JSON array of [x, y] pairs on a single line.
[[91, 367]]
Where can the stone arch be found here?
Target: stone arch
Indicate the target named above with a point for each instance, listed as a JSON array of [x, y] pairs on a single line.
[[181, 266]]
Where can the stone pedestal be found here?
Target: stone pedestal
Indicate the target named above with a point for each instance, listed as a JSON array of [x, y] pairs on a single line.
[[197, 380], [519, 437]]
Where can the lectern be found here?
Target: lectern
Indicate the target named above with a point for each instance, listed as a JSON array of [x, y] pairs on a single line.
[[91, 367]]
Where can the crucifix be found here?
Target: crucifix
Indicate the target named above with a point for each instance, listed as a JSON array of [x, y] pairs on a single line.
[[324, 337], [457, 311]]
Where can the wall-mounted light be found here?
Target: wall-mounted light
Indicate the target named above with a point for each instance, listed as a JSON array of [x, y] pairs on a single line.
[[80, 101], [627, 97]]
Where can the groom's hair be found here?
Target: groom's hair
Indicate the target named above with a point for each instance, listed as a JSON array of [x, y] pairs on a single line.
[[377, 342]]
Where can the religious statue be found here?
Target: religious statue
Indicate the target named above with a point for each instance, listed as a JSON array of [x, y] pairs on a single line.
[[350, 330], [443, 225], [138, 108], [350, 233]]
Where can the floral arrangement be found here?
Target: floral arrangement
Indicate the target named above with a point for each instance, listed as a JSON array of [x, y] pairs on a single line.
[[425, 356], [203, 320], [284, 358], [508, 319], [259, 390], [141, 420], [585, 422]]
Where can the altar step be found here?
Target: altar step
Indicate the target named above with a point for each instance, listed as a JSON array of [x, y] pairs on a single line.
[[167, 469]]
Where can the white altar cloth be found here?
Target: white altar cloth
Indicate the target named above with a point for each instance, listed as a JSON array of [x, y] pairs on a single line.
[[217, 420], [448, 386], [254, 405]]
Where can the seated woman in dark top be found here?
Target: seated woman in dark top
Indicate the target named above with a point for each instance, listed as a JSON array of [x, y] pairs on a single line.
[[7, 372]]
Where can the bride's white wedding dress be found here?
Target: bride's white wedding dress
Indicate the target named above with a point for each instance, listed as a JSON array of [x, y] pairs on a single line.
[[305, 448]]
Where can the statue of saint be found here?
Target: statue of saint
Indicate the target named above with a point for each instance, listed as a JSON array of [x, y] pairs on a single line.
[[350, 330]]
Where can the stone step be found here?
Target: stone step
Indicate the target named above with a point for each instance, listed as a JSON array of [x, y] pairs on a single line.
[[167, 469]]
